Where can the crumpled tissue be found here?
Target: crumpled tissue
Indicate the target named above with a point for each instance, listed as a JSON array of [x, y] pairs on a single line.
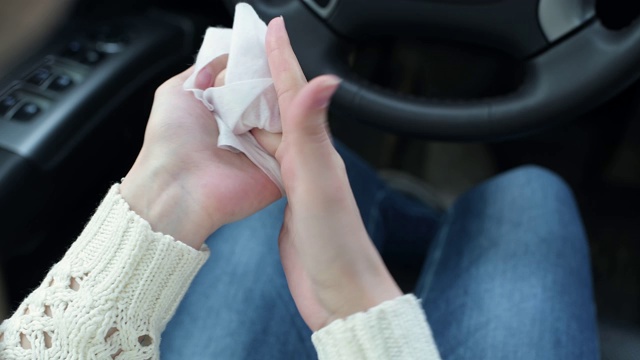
[[248, 99]]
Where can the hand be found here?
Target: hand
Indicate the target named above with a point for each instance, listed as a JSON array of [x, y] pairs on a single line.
[[181, 182], [332, 267]]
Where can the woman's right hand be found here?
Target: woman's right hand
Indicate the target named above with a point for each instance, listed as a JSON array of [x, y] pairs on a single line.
[[332, 267]]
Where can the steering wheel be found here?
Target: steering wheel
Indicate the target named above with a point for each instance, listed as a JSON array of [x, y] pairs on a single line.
[[572, 61]]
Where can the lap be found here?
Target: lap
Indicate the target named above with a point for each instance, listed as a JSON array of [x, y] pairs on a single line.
[[506, 277]]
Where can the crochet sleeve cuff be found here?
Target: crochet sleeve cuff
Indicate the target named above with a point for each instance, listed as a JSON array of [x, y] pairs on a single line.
[[395, 329], [111, 295]]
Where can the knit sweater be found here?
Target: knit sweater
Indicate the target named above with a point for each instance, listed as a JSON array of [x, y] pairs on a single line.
[[118, 285]]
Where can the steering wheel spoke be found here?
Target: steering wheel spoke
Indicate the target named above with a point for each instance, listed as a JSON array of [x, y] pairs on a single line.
[[511, 25]]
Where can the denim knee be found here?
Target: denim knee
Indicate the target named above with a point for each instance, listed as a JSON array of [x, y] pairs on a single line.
[[531, 183], [511, 256], [529, 197], [526, 190]]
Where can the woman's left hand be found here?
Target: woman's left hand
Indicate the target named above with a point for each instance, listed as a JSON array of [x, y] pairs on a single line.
[[181, 182]]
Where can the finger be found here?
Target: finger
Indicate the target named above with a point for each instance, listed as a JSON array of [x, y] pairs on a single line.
[[268, 140], [311, 167], [287, 75], [220, 79], [208, 75], [307, 120]]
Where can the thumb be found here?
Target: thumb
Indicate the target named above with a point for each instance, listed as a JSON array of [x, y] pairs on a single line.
[[306, 120], [310, 165]]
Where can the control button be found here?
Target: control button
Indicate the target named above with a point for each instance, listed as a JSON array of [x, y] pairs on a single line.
[[40, 76], [90, 57], [73, 49], [109, 47], [26, 112], [60, 83], [110, 39], [7, 103]]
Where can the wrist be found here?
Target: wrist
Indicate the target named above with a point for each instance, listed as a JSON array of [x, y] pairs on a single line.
[[163, 199], [369, 292], [365, 285]]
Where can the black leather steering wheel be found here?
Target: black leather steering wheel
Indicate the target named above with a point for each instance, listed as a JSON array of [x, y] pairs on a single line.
[[572, 62]]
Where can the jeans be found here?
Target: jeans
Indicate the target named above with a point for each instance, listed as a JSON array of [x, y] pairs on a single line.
[[506, 275]]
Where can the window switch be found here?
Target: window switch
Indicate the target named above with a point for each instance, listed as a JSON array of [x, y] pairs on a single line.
[[26, 112], [90, 57], [73, 50], [40, 76], [61, 83], [7, 103]]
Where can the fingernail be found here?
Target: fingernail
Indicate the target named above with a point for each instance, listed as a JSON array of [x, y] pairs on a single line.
[[328, 88], [282, 27], [204, 79]]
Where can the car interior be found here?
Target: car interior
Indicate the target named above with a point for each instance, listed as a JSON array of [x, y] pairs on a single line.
[[451, 92]]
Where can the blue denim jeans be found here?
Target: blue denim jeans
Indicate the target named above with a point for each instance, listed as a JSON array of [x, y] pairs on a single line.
[[506, 276]]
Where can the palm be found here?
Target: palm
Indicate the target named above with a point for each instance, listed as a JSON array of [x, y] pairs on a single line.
[[221, 182], [301, 286]]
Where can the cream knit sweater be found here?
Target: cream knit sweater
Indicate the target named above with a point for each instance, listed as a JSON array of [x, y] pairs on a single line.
[[118, 285]]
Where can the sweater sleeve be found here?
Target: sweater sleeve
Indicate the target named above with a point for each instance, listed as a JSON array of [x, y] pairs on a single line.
[[396, 329], [111, 294]]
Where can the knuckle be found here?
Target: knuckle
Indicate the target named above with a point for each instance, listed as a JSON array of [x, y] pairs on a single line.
[[164, 87]]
